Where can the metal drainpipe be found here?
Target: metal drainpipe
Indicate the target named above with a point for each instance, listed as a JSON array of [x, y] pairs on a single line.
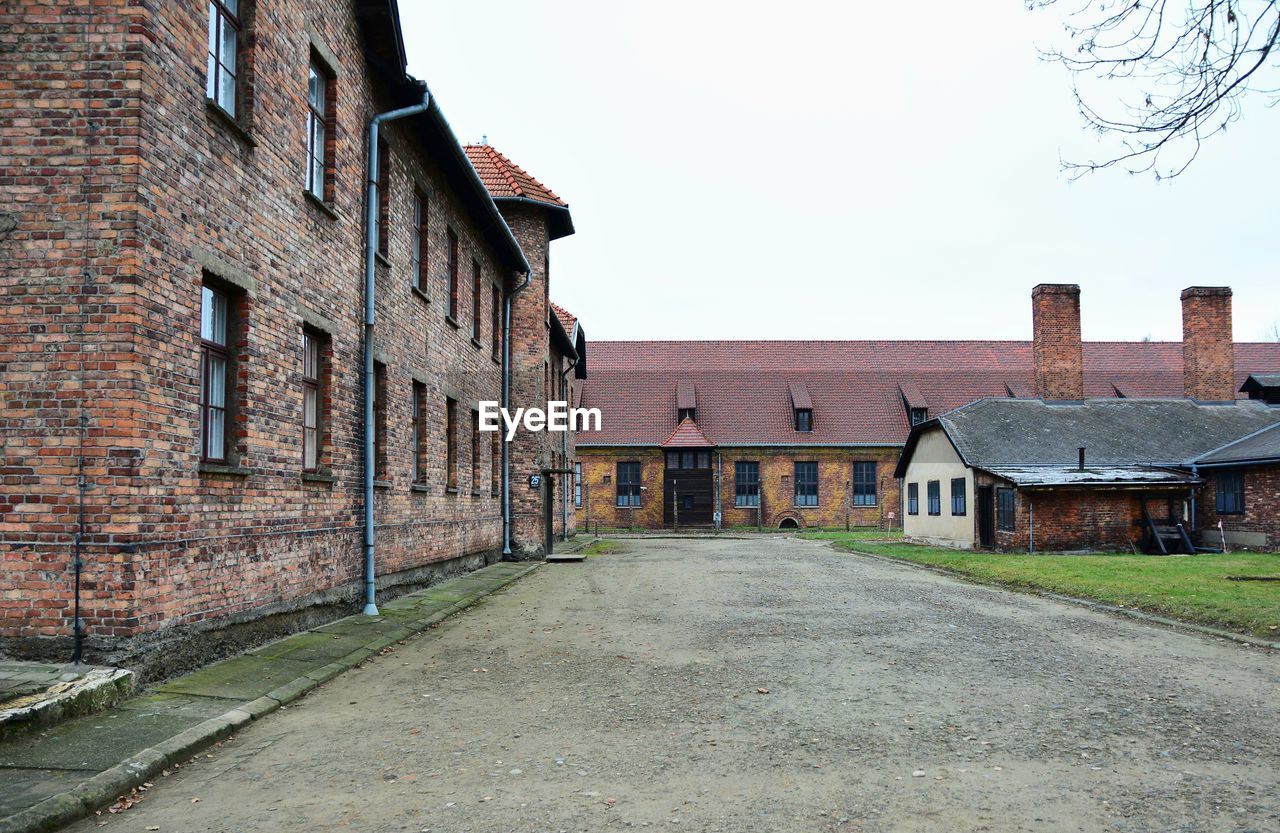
[[564, 458], [1031, 524], [1194, 473], [370, 290], [506, 403]]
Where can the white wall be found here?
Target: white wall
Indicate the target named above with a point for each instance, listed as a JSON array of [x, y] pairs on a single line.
[[936, 459]]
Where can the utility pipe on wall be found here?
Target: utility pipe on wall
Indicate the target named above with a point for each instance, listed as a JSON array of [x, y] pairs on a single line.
[[370, 289], [506, 403], [564, 457]]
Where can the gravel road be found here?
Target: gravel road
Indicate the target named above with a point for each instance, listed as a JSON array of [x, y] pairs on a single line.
[[768, 684]]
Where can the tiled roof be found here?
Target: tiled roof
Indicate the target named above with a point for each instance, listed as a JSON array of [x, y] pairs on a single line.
[[687, 435], [686, 395], [567, 319], [505, 178], [744, 395]]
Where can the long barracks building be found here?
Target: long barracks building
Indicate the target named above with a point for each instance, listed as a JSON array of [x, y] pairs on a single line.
[[182, 326]]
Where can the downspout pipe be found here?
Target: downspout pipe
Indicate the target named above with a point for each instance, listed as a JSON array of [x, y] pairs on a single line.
[[564, 456], [370, 295], [506, 403]]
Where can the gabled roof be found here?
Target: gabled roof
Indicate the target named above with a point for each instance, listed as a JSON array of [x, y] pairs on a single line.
[[995, 434], [1261, 446], [687, 435], [854, 386], [912, 396], [572, 328], [508, 182]]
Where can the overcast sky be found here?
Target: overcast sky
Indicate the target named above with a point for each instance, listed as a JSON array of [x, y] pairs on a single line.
[[839, 170]]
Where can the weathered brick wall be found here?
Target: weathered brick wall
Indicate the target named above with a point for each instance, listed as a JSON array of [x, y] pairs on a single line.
[[1070, 519], [173, 545], [777, 488], [1056, 347], [1261, 516], [1208, 352]]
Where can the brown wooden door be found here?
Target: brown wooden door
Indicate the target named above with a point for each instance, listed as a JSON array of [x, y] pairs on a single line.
[[688, 497]]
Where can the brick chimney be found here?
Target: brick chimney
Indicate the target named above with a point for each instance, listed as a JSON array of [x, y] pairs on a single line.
[[1058, 356], [1208, 351]]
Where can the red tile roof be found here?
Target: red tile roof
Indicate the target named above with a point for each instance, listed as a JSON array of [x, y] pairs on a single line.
[[505, 178], [687, 435], [856, 387], [567, 319], [686, 395]]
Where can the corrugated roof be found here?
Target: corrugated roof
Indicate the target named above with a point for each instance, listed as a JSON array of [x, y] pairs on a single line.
[[1114, 432], [1258, 446], [744, 397]]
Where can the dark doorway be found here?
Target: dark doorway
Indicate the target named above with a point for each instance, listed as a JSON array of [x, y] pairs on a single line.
[[986, 516], [688, 489], [548, 512]]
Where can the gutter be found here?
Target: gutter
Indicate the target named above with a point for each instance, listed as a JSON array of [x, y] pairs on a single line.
[[506, 403], [370, 295], [564, 455]]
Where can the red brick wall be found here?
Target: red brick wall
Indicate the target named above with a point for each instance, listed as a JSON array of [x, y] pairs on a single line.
[[777, 487], [1261, 514], [1056, 348], [1208, 352], [174, 191]]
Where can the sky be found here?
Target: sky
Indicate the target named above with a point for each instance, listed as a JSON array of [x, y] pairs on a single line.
[[839, 170]]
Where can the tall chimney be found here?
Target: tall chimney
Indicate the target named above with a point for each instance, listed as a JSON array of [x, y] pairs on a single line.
[[1059, 358], [1208, 352]]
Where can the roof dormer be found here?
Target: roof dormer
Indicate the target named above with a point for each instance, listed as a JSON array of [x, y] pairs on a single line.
[[801, 407]]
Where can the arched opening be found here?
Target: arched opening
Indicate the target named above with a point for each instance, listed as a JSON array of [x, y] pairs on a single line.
[[788, 523]]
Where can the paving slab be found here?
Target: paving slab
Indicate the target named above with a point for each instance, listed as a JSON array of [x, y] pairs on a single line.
[[54, 776]]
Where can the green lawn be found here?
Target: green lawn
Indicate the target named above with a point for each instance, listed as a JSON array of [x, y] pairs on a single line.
[[1194, 588]]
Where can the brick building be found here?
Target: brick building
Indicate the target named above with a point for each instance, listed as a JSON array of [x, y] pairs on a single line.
[[182, 218], [783, 433], [548, 354], [1064, 472]]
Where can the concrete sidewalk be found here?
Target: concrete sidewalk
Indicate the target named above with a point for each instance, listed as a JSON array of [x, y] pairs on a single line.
[[76, 767]]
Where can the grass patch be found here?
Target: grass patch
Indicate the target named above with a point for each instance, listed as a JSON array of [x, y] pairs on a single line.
[[1201, 588], [600, 547], [858, 533]]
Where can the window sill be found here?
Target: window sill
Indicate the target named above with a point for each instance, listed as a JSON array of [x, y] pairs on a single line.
[[230, 122], [497, 360], [475, 342], [324, 207], [475, 493], [495, 495], [419, 487], [451, 490], [381, 259], [426, 299], [318, 477], [382, 484], [219, 468], [452, 322]]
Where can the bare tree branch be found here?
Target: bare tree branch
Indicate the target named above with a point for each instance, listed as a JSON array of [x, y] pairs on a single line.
[[1182, 68]]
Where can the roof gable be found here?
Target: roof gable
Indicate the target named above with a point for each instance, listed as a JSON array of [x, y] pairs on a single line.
[[687, 435], [506, 180]]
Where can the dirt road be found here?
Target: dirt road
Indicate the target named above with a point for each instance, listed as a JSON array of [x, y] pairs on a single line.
[[760, 685]]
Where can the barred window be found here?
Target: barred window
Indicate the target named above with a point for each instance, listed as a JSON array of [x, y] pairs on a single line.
[[628, 484], [746, 483], [807, 484], [864, 484]]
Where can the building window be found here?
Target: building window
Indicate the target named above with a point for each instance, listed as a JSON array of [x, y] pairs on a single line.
[[451, 444], [959, 498], [1229, 492], [746, 483], [577, 484], [497, 322], [913, 498], [807, 484], [495, 464], [453, 274], [686, 413], [628, 484], [864, 483], [417, 424], [1004, 510], [418, 244], [919, 415], [384, 198], [475, 453], [379, 421], [804, 420], [320, 104], [688, 459], [477, 288], [215, 372], [935, 497], [313, 394], [224, 53]]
